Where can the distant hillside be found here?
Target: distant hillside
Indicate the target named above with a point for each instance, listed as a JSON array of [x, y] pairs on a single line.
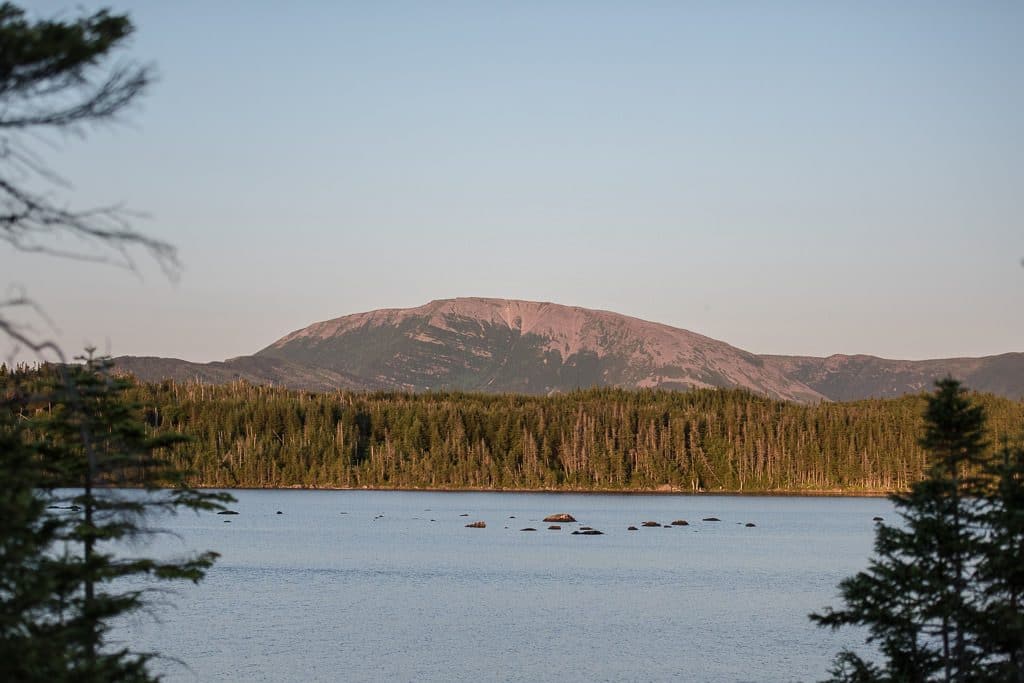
[[504, 345], [845, 378], [255, 370]]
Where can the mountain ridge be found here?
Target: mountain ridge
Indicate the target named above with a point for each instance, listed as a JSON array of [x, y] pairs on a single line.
[[511, 345]]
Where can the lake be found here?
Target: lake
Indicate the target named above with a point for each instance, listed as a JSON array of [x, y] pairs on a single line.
[[391, 586]]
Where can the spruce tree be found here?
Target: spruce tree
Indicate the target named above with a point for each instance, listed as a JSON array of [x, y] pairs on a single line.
[[1000, 569], [64, 564], [919, 597], [30, 637]]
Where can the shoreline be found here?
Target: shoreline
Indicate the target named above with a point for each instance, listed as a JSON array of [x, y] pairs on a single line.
[[596, 492]]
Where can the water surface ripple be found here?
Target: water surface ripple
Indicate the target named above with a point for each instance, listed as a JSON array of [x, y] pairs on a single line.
[[391, 586]]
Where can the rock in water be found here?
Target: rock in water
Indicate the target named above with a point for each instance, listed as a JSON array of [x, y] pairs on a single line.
[[632, 528], [680, 522], [529, 528], [749, 524], [588, 532], [477, 525], [712, 519], [560, 517], [877, 519], [649, 523], [555, 527], [227, 512]]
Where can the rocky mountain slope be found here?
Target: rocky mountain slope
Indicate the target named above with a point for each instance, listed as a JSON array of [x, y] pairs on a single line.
[[522, 346], [500, 345]]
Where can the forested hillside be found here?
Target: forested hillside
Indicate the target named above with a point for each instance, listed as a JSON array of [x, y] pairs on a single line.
[[602, 439]]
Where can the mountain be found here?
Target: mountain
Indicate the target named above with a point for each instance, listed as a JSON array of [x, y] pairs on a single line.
[[847, 378], [502, 345]]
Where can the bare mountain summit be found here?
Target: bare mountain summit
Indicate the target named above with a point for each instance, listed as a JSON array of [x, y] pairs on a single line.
[[500, 345], [503, 345]]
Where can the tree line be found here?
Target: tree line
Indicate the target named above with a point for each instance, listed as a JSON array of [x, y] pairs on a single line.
[[243, 435]]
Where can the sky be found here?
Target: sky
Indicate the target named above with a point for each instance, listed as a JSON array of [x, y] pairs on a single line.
[[798, 178]]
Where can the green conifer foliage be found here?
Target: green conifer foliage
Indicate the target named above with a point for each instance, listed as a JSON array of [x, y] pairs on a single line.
[[1000, 570], [63, 562], [938, 587]]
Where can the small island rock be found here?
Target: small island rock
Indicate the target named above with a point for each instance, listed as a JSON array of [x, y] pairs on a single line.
[[632, 528], [712, 519], [680, 522], [560, 517], [477, 525], [650, 523], [227, 512], [554, 527]]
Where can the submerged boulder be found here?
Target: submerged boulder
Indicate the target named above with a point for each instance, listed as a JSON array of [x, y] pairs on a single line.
[[560, 517], [554, 527], [477, 525]]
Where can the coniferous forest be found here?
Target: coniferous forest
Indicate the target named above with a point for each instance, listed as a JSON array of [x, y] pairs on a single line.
[[243, 435]]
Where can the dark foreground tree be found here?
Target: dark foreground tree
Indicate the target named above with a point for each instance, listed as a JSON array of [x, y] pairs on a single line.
[[28, 646], [937, 584], [1000, 570], [65, 571], [63, 557]]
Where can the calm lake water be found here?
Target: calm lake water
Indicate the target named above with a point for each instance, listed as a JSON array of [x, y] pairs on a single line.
[[391, 586]]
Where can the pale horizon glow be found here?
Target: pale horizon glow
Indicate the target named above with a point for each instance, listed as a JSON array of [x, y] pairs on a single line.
[[798, 178]]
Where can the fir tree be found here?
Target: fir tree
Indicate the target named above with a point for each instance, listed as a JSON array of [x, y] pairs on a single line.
[[63, 563], [29, 634], [1000, 570], [919, 597]]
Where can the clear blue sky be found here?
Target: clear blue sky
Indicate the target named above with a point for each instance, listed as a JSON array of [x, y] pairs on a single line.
[[806, 178]]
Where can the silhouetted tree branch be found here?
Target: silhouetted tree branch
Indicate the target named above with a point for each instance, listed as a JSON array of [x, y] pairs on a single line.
[[56, 76]]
